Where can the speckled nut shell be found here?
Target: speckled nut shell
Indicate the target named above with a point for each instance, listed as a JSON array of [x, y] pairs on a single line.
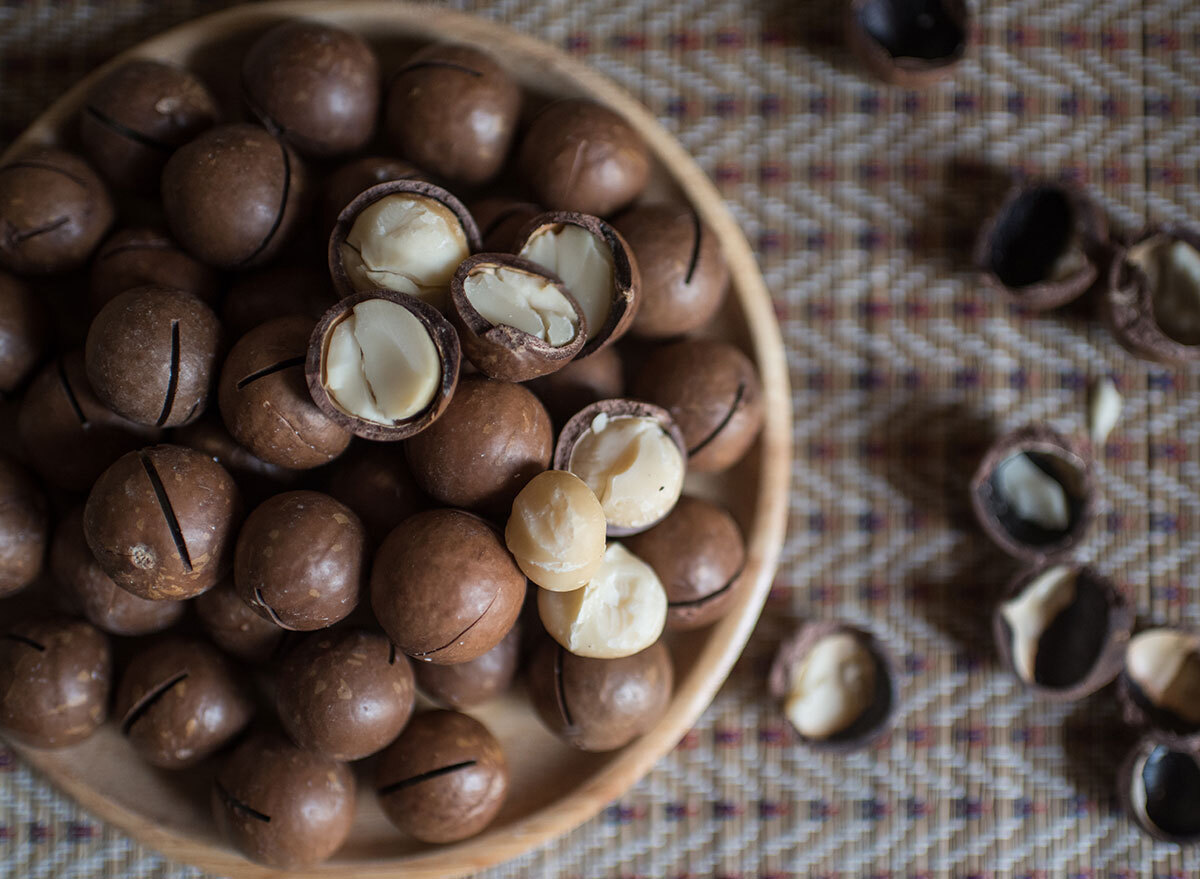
[[54, 210], [500, 218], [373, 479], [1041, 247], [179, 701], [1083, 648], [908, 43], [626, 297], [444, 779], [161, 522], [445, 588], [256, 478], [24, 527], [600, 704], [467, 684], [876, 721], [1031, 543], [24, 332], [445, 342], [282, 806], [345, 184], [143, 256], [234, 195], [234, 626], [1158, 785], [55, 676], [499, 350], [264, 398], [712, 390], [279, 290], [137, 115], [580, 156], [581, 383], [1140, 713], [315, 85]]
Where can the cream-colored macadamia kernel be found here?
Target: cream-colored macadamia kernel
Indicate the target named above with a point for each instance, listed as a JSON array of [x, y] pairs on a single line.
[[556, 531], [1104, 409], [1172, 269], [633, 467], [833, 687], [381, 364], [1165, 665], [585, 264], [524, 301], [1033, 494], [1029, 614], [620, 612]]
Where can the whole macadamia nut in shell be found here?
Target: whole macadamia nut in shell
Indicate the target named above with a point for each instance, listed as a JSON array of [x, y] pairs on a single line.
[[24, 527], [146, 257], [24, 332]]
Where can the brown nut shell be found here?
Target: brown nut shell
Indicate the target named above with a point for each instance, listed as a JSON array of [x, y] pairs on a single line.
[[374, 480], [345, 184], [441, 334], [24, 332], [444, 779], [234, 626], [499, 219], [1159, 786], [1025, 541], [24, 527], [581, 383], [876, 722], [467, 684], [142, 256], [890, 39], [256, 478], [1140, 712]]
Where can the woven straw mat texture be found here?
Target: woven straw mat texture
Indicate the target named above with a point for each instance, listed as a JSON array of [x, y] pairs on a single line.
[[860, 201]]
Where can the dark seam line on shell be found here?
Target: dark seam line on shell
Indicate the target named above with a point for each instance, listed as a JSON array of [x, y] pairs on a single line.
[[391, 653], [560, 691], [172, 377], [44, 166], [270, 370], [164, 504], [424, 776], [498, 219], [143, 705], [449, 65], [697, 231], [234, 803], [136, 245], [21, 639], [125, 131], [283, 200], [737, 398], [696, 602], [20, 237], [463, 632], [72, 400], [258, 596]]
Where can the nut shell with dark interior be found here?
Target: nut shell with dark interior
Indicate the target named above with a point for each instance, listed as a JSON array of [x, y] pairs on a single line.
[[134, 118], [55, 676], [162, 521], [600, 704], [142, 256], [383, 365], [1152, 299], [1159, 685], [444, 779], [24, 527], [374, 480], [1062, 630], [500, 218], [1159, 786], [54, 210], [445, 588], [581, 383], [284, 288], [467, 684], [910, 43], [24, 332], [357, 176], [999, 497], [234, 626], [580, 156], [180, 701]]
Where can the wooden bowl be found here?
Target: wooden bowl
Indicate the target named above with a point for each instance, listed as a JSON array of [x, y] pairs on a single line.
[[554, 788]]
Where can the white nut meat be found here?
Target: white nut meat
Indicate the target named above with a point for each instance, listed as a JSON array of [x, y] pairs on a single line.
[[1029, 614], [405, 242], [620, 612], [1172, 270], [1104, 409], [556, 531], [632, 465], [1033, 494], [1165, 665], [381, 365], [524, 301], [583, 261], [832, 688]]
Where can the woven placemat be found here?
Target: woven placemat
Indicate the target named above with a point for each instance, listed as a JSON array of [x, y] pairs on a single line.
[[859, 200]]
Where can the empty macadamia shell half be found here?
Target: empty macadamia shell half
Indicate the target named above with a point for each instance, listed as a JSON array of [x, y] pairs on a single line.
[[838, 686], [556, 531], [515, 319], [383, 365], [1159, 785], [1159, 686], [621, 611], [1062, 630], [909, 43], [1035, 493], [1041, 248], [596, 266], [403, 235], [1152, 302], [633, 458]]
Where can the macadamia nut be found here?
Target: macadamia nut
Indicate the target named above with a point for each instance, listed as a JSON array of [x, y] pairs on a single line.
[[524, 301], [556, 531], [832, 689], [584, 262], [1104, 410], [1033, 494], [1172, 270], [1030, 614], [1165, 665]]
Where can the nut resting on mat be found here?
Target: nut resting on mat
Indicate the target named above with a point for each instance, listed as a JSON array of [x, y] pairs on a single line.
[[1160, 684], [1159, 785], [909, 43], [1152, 303]]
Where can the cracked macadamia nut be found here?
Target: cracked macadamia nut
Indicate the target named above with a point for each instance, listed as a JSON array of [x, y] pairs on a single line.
[[580, 156], [1063, 630], [600, 704], [151, 355], [909, 43], [283, 806], [24, 332], [345, 694], [55, 677], [265, 402], [301, 560], [444, 779], [631, 456], [556, 531], [444, 588], [1161, 681], [54, 210], [453, 110], [405, 235], [384, 365], [621, 611], [180, 701], [236, 627], [315, 85], [347, 182], [467, 684], [138, 115], [162, 522], [146, 257], [1153, 298], [24, 527], [581, 383], [1159, 786]]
